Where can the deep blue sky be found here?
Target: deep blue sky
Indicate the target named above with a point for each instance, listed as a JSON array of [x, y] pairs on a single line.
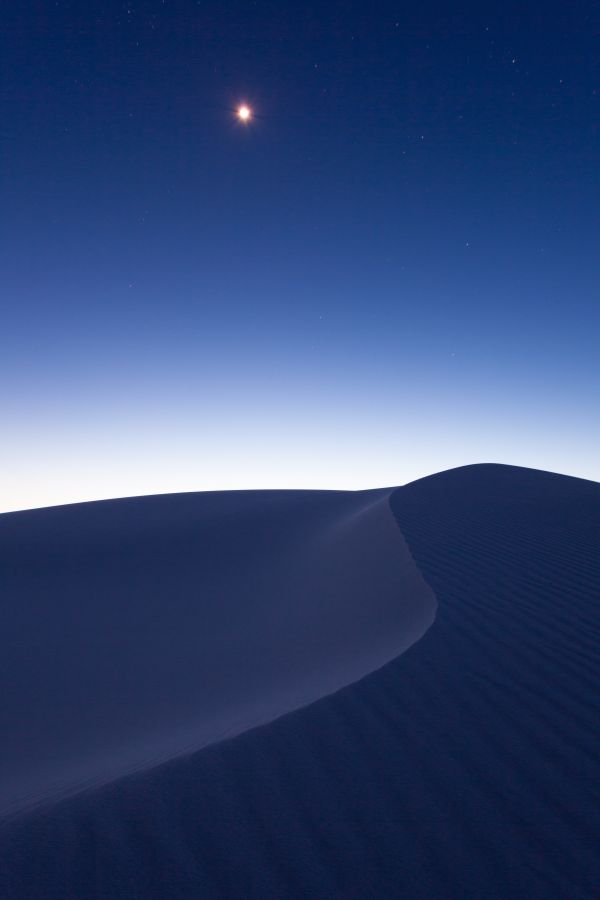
[[392, 270]]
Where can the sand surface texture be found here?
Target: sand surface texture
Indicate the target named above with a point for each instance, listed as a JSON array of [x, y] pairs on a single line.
[[467, 767]]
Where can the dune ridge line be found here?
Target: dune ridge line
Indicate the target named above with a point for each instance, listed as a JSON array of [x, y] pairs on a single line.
[[137, 630]]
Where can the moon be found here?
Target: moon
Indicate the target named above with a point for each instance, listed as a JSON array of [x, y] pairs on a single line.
[[244, 113]]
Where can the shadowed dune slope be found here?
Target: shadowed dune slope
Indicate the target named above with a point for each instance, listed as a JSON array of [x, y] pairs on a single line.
[[134, 630], [466, 768]]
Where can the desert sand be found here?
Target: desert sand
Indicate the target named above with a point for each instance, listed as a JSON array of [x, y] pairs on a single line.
[[139, 629], [305, 694]]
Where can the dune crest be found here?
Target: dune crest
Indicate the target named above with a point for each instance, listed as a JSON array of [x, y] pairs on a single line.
[[139, 629]]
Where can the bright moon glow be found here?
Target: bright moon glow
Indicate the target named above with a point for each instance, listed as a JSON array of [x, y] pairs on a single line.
[[244, 113]]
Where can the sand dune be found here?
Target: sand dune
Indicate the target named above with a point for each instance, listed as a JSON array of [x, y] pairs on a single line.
[[138, 629], [467, 767]]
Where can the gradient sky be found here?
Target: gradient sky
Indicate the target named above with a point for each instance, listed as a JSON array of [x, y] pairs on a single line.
[[392, 270]]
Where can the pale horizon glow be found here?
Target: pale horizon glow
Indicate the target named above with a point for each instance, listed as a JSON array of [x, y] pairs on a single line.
[[74, 463], [252, 420]]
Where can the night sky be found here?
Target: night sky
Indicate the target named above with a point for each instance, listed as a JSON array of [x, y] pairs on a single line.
[[393, 268]]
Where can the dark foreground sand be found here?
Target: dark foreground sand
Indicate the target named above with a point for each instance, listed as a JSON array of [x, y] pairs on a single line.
[[468, 767], [135, 630]]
